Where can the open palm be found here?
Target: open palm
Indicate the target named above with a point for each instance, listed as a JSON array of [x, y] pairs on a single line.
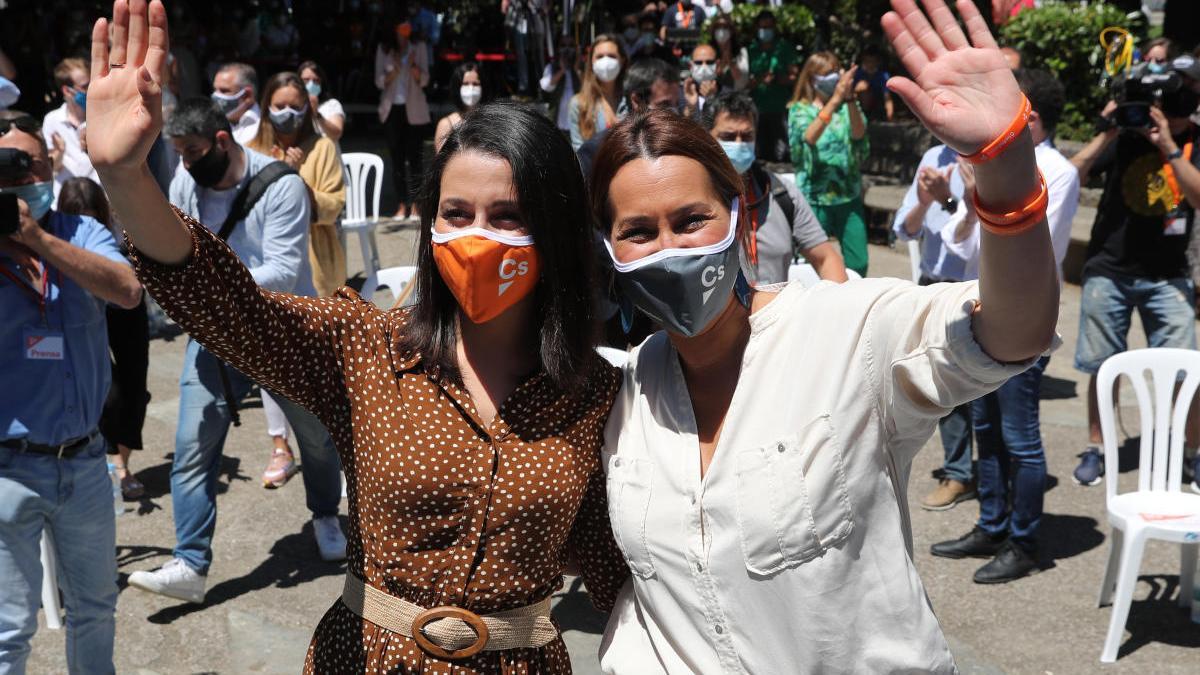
[[125, 95], [966, 95]]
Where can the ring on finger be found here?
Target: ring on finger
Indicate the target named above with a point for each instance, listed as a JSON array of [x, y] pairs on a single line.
[[116, 65]]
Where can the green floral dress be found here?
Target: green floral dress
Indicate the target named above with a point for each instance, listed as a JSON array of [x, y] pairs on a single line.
[[827, 173]]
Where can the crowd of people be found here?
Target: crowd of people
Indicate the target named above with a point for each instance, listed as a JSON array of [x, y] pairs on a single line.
[[597, 370]]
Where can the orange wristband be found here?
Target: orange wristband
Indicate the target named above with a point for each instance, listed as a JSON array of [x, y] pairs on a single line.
[[1015, 222], [1000, 144], [825, 117]]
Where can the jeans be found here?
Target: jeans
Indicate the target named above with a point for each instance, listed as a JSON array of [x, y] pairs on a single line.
[[199, 438], [73, 498], [1012, 460], [1166, 307], [955, 430]]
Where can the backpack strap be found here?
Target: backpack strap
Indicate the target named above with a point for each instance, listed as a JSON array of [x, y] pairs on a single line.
[[249, 196], [779, 192]]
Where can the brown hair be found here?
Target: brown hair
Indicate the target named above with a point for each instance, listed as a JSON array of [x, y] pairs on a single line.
[[590, 93], [62, 72], [84, 197], [264, 140], [818, 63], [1166, 43], [661, 133]]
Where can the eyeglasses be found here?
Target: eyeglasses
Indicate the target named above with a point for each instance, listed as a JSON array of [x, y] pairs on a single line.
[[702, 62], [25, 123]]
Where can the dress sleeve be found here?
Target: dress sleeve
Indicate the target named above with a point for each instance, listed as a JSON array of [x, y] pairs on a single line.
[[286, 343], [591, 543]]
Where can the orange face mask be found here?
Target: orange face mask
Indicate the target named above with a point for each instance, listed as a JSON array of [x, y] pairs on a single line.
[[487, 272]]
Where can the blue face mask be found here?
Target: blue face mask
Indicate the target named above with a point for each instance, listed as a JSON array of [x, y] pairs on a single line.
[[80, 98], [766, 34], [39, 196], [1157, 68], [313, 88], [741, 154]]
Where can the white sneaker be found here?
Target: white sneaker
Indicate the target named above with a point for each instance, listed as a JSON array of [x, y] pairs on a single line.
[[330, 540], [174, 580]]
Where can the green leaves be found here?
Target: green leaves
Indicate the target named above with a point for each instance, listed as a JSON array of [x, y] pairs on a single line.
[[1064, 38]]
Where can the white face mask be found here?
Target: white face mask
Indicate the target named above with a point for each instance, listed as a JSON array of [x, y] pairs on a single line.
[[721, 35], [704, 73], [606, 68], [470, 94]]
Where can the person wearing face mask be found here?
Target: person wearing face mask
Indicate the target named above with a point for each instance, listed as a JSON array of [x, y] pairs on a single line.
[[772, 76], [57, 272], [681, 14], [64, 127], [1137, 254], [560, 80], [468, 424], [466, 86], [782, 227], [597, 106], [216, 181], [733, 60], [329, 118], [1157, 55], [649, 83], [758, 452], [235, 88], [701, 84], [401, 75], [828, 136]]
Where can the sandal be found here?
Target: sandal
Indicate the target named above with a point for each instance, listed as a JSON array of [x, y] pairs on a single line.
[[281, 467], [131, 488]]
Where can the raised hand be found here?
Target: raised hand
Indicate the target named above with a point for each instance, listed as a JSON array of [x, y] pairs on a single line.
[[125, 94], [966, 95]]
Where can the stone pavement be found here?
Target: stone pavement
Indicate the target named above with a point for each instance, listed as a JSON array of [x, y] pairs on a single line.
[[268, 588]]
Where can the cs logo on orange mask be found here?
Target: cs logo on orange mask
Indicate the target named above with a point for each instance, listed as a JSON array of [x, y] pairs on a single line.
[[488, 272]]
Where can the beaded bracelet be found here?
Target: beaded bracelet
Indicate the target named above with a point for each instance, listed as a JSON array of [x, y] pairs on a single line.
[[1015, 222], [1000, 144]]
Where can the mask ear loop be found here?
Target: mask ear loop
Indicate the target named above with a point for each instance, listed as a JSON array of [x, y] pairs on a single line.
[[741, 289], [626, 311]]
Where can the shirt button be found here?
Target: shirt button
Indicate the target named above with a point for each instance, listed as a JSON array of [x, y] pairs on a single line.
[[719, 628], [780, 447], [699, 567], [616, 461]]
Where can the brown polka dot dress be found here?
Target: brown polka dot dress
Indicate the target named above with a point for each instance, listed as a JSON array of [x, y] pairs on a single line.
[[444, 510]]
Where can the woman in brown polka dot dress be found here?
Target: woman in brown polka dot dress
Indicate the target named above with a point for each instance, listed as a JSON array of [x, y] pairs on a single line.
[[469, 425]]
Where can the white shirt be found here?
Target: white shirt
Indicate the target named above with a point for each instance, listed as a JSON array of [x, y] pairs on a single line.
[[937, 262], [1062, 191], [247, 125], [564, 101], [76, 162], [793, 553]]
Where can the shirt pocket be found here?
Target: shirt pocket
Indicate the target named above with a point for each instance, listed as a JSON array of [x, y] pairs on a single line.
[[792, 501], [629, 482]]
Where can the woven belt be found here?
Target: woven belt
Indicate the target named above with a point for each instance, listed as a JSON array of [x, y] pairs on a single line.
[[451, 632]]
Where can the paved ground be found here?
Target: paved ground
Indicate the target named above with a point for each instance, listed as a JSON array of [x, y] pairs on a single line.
[[268, 588]]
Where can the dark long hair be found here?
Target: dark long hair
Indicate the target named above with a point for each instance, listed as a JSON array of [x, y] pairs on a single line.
[[553, 203], [84, 197], [661, 133], [326, 86], [456, 81]]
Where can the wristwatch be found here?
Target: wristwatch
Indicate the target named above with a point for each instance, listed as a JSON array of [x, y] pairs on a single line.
[[950, 205], [1175, 155]]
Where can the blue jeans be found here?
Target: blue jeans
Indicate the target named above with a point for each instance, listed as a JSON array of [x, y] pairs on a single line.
[[1012, 461], [1167, 308], [199, 439], [955, 430], [73, 498]]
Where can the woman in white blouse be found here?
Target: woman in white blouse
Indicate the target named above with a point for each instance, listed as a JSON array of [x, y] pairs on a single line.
[[759, 450]]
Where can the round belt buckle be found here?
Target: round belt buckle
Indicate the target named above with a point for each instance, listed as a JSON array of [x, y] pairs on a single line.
[[468, 617]]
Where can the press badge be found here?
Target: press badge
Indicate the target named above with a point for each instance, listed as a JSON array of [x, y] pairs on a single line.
[[42, 344], [1176, 223]]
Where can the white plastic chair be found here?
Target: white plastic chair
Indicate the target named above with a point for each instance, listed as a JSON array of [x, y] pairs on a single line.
[[807, 274], [50, 603], [396, 279], [1157, 509], [362, 211], [914, 259]]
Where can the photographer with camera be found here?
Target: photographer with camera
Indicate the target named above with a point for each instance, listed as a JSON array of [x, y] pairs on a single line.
[[1137, 256], [57, 271]]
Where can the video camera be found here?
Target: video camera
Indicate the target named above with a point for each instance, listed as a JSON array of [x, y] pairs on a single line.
[[14, 165], [1137, 91]]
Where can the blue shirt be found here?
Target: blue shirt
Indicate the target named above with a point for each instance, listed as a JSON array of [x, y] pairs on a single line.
[[53, 401], [936, 260]]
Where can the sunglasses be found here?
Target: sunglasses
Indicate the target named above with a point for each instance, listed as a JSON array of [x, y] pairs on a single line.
[[27, 124], [701, 62]]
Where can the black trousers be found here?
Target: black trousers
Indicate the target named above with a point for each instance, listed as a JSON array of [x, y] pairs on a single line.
[[405, 142], [125, 408], [772, 137]]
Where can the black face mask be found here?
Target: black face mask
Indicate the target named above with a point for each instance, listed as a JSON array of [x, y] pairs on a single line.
[[209, 169], [1181, 103]]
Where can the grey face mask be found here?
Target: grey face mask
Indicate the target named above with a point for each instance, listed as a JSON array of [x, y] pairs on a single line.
[[684, 289]]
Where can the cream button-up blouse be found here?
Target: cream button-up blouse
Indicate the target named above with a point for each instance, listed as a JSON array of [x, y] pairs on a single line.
[[793, 553]]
